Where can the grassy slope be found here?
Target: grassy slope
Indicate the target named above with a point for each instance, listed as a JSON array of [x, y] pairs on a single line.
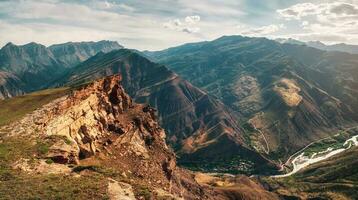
[[335, 178], [15, 108], [16, 184]]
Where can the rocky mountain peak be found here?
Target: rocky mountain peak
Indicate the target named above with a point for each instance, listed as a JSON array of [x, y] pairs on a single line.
[[98, 122], [9, 44], [97, 133], [99, 114]]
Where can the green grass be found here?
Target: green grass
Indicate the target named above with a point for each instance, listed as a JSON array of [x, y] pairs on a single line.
[[15, 184], [26, 186], [143, 192], [337, 175], [99, 169], [335, 142], [15, 108], [42, 148]]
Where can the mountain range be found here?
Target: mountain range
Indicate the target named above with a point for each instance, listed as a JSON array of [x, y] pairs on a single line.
[[342, 47], [288, 95], [236, 105], [197, 124], [34, 66]]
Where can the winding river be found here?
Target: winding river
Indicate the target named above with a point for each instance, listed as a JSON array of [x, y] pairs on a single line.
[[301, 161]]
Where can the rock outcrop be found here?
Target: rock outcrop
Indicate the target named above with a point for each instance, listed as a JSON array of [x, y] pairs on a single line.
[[288, 91], [96, 116], [195, 122], [97, 131]]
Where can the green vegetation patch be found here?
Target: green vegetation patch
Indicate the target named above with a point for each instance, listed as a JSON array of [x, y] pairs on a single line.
[[26, 186], [99, 169], [16, 184], [15, 108], [143, 192], [334, 142], [235, 165]]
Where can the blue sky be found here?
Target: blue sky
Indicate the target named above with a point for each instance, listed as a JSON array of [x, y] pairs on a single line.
[[159, 24]]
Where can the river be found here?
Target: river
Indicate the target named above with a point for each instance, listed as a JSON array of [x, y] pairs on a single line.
[[301, 161]]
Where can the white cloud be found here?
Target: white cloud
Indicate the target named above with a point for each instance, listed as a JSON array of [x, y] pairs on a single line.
[[263, 30], [49, 34], [330, 21], [57, 22], [191, 30], [299, 10], [192, 19], [126, 7], [335, 12], [328, 38], [213, 7], [106, 5], [160, 24], [187, 25], [304, 23]]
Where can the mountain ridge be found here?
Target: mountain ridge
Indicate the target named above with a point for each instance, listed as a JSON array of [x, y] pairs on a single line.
[[193, 119], [342, 47], [24, 62], [276, 87], [95, 142]]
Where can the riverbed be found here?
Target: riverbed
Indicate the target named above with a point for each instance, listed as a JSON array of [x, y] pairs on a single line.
[[301, 161]]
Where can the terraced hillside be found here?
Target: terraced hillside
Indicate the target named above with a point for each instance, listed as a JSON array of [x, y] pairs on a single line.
[[289, 95], [94, 142], [205, 133]]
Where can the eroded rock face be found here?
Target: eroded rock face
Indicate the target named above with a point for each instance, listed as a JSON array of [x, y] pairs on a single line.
[[100, 130], [90, 116], [120, 191]]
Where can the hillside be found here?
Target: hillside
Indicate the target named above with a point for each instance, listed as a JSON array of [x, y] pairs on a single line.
[[196, 123], [33, 66], [335, 178], [94, 142], [289, 95], [342, 47]]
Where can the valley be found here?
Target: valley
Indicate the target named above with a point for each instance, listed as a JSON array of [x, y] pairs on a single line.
[[320, 150], [198, 121], [284, 97], [178, 100]]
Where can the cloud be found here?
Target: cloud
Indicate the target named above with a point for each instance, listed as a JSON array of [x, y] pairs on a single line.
[[299, 10], [153, 24], [344, 9], [106, 5], [49, 34], [263, 30], [191, 30], [212, 7], [56, 22], [187, 25], [336, 11], [330, 38], [192, 19], [338, 18]]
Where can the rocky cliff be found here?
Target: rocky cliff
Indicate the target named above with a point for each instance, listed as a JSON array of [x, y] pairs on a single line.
[[199, 127], [98, 134]]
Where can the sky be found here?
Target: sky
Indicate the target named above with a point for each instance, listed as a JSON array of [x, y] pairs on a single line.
[[159, 24]]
